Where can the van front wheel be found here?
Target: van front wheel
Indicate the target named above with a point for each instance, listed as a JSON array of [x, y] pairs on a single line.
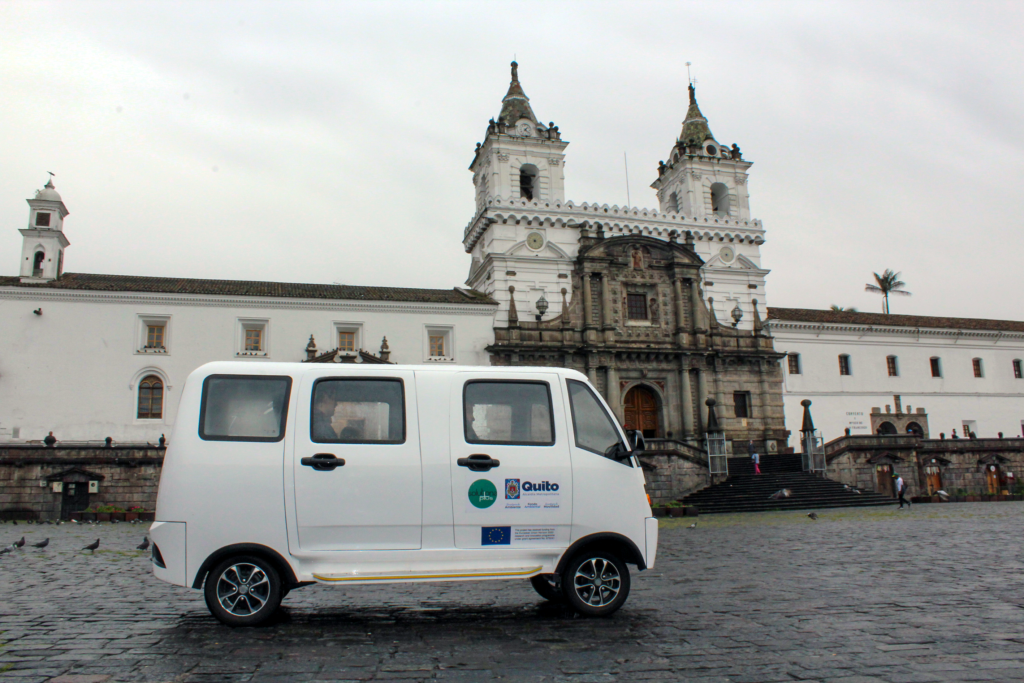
[[596, 583], [243, 591]]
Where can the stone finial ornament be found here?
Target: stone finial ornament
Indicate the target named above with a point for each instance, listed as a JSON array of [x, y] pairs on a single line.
[[513, 316], [385, 350], [310, 348]]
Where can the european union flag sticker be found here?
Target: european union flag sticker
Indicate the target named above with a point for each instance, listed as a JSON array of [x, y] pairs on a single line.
[[496, 535]]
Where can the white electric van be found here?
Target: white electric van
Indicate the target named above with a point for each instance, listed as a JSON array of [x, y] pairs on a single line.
[[279, 475]]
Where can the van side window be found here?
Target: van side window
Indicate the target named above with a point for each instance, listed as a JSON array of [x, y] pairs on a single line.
[[244, 408], [358, 411], [595, 430], [510, 413]]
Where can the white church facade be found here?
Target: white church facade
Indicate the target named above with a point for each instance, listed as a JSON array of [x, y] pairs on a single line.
[[663, 308]]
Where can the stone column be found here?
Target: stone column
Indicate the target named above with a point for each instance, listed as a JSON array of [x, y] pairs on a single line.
[[702, 397], [614, 399], [588, 302], [687, 391], [592, 376], [606, 304], [694, 303], [762, 372], [677, 288]]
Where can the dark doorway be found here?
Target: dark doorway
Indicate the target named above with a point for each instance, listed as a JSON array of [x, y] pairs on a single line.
[[641, 411], [75, 498], [887, 428], [915, 429], [883, 480]]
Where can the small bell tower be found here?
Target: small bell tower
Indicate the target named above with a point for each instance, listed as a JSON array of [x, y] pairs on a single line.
[[521, 158], [43, 241], [703, 178]]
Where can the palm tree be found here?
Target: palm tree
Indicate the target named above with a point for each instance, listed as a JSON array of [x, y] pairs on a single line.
[[887, 283], [841, 309]]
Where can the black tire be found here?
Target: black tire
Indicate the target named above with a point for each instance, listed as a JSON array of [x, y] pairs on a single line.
[[596, 583], [546, 587], [251, 606]]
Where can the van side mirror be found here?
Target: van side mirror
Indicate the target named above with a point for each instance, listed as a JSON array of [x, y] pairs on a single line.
[[636, 440]]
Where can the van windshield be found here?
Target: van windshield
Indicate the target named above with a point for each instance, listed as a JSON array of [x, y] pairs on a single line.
[[244, 408]]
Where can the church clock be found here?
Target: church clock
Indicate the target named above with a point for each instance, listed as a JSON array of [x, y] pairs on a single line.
[[535, 241]]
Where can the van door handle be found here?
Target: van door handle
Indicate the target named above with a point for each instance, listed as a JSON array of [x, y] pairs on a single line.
[[323, 462], [478, 462]]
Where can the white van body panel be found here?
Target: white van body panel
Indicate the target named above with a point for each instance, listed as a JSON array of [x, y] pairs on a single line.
[[394, 511]]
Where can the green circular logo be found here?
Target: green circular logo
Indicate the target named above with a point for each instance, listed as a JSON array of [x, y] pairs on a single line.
[[482, 493]]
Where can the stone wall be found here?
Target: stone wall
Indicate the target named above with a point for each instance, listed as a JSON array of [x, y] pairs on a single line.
[[127, 476], [962, 464], [673, 470]]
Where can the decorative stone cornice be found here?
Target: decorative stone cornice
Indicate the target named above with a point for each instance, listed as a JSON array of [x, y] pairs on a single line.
[[877, 330], [614, 219]]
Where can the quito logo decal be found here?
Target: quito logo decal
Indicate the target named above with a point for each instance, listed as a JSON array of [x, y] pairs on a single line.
[[511, 489], [482, 493]]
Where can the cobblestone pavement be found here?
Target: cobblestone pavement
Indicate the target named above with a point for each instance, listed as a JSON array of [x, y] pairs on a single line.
[[931, 594]]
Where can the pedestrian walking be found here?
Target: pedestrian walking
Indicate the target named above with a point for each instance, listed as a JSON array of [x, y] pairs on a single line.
[[755, 457], [901, 489]]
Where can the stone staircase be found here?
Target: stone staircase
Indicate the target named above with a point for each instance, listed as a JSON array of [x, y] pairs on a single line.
[[745, 491]]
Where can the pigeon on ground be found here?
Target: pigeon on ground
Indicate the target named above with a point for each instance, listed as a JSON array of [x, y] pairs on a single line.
[[144, 545], [14, 522], [780, 494], [20, 544], [692, 526], [7, 550], [813, 515], [115, 521], [42, 544], [92, 546], [943, 495]]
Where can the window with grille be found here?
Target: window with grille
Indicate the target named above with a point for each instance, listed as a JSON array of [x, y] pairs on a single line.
[[844, 364], [253, 339], [978, 370], [151, 398], [154, 336], [1018, 372], [936, 367], [437, 345], [741, 399], [890, 365], [346, 341], [636, 306], [794, 363]]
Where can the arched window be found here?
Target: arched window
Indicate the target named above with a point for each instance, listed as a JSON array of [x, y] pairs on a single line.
[[151, 398], [887, 428], [915, 429], [844, 364], [527, 181], [979, 371], [891, 366], [673, 203], [37, 264], [720, 199]]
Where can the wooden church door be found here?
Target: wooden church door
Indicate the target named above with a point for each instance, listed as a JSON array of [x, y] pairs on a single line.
[[992, 478], [884, 480], [641, 411], [933, 479]]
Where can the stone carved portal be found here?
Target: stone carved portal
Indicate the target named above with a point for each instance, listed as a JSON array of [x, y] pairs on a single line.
[[641, 411]]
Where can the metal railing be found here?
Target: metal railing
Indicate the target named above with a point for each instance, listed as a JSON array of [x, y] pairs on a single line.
[[813, 455], [718, 457]]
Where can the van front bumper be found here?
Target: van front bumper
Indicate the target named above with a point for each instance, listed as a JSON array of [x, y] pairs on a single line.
[[651, 537], [168, 540]]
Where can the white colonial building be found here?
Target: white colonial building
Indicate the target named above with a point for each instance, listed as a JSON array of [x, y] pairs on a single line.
[[940, 374], [91, 356]]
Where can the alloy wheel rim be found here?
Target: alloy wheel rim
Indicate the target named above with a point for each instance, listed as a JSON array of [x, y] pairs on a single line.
[[243, 589], [597, 582]]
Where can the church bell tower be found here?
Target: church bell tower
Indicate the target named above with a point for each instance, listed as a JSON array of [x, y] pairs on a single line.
[[43, 241]]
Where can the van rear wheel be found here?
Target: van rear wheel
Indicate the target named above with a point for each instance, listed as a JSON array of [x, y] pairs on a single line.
[[546, 587], [596, 583], [243, 590]]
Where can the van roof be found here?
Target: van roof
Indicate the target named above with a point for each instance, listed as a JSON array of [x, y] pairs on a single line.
[[296, 368]]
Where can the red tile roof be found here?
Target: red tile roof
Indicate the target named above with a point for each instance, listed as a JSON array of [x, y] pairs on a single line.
[[285, 290], [808, 315]]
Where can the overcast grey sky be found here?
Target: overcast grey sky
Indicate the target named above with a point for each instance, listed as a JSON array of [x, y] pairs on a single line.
[[330, 142]]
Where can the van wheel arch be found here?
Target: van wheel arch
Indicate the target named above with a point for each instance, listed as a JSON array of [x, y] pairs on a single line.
[[284, 569], [611, 542]]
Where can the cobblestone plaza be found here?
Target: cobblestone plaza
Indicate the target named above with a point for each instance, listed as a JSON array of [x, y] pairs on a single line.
[[929, 594]]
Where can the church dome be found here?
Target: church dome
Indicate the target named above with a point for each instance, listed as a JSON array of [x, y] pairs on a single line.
[[48, 193]]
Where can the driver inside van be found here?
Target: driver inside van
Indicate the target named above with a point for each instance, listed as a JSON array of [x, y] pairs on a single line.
[[323, 416]]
